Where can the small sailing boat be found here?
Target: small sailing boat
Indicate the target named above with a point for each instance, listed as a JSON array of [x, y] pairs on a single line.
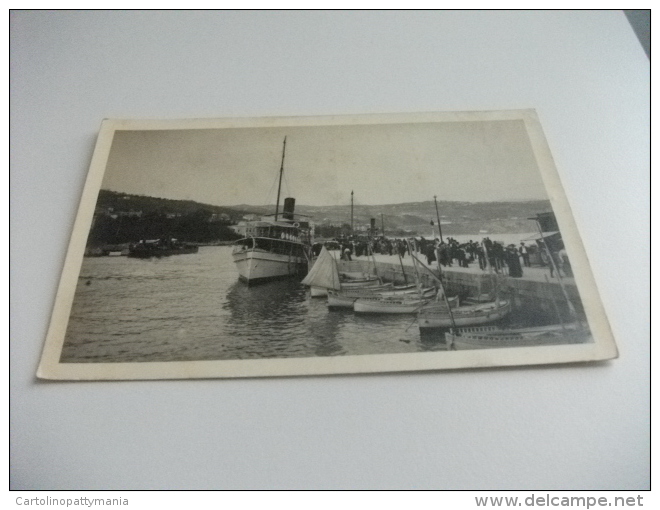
[[390, 304], [349, 282], [440, 316], [323, 275], [324, 279], [399, 304], [348, 298]]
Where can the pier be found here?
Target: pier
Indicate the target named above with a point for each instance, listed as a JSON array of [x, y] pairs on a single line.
[[531, 291]]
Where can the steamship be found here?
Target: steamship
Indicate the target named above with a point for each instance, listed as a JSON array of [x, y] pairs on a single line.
[[276, 246]]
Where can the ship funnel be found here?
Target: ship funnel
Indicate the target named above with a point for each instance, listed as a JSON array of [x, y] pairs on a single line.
[[289, 207]]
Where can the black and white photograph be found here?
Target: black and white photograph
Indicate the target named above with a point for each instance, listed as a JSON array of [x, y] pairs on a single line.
[[299, 246]]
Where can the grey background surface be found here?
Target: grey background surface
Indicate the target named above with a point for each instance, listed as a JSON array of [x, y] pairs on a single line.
[[640, 20], [565, 427]]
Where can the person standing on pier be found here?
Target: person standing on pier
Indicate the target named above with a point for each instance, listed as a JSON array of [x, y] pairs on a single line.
[[429, 251], [524, 252], [402, 248], [346, 253], [482, 258], [513, 261]]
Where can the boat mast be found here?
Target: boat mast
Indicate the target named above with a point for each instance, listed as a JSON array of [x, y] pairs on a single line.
[[351, 212], [405, 278], [418, 282], [569, 303], [438, 215], [442, 289], [373, 258], [437, 248], [491, 272], [279, 187]]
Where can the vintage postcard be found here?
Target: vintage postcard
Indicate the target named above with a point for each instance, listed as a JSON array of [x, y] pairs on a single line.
[[322, 245]]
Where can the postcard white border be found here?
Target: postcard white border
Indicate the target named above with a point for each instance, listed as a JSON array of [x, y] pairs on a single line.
[[603, 348]]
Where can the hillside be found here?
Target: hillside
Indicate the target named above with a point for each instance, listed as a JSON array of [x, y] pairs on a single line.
[[121, 217], [415, 217], [153, 205]]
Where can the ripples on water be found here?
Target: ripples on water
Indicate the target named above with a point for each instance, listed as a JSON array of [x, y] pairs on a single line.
[[192, 307]]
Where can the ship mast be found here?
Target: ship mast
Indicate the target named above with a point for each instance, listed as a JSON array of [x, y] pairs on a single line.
[[279, 186], [435, 199], [437, 248], [351, 212]]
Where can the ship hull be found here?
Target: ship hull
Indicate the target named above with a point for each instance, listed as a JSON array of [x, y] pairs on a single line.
[[255, 266]]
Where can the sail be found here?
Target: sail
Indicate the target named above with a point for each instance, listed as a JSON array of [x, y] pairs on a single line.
[[324, 272]]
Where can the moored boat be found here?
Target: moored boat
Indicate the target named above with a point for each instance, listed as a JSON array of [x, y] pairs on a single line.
[[160, 248], [277, 249], [490, 337], [347, 298], [324, 276], [364, 282], [277, 246], [390, 304], [439, 316]]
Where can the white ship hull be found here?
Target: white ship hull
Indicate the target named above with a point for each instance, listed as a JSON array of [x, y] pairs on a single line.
[[256, 266]]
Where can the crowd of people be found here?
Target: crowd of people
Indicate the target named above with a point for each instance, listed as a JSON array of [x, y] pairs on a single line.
[[449, 252]]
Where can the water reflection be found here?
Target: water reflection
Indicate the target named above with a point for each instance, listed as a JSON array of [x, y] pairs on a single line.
[[193, 307]]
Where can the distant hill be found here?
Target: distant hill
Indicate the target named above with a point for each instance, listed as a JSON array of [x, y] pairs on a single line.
[[415, 217], [194, 221], [121, 218], [149, 205]]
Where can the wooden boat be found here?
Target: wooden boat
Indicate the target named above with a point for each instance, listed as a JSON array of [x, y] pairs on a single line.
[[351, 282], [401, 304], [338, 299], [491, 337], [364, 290], [347, 298], [160, 248], [324, 276], [409, 301], [399, 300], [277, 246], [440, 316]]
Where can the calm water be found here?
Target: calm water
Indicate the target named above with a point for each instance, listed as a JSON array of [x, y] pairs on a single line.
[[192, 307]]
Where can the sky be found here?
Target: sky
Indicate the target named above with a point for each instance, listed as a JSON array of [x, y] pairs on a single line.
[[471, 161]]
